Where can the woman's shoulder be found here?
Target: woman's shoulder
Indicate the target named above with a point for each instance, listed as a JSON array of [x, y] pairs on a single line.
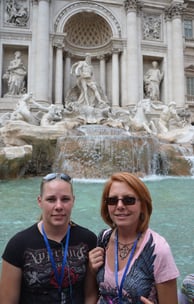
[[26, 232], [164, 264], [18, 243], [80, 228], [82, 232], [159, 241], [158, 238]]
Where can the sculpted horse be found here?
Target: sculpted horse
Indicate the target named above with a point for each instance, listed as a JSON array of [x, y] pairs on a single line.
[[139, 121]]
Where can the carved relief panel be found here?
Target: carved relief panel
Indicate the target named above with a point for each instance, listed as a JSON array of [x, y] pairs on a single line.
[[152, 27], [16, 13]]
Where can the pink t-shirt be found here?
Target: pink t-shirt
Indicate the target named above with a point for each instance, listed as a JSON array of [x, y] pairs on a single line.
[[151, 264]]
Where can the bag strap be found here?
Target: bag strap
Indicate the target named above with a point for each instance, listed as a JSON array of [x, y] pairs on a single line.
[[103, 238]]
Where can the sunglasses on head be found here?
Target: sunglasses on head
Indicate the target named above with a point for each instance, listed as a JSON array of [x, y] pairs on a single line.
[[126, 200], [52, 176]]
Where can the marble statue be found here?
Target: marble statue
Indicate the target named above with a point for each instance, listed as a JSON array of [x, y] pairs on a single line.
[[140, 121], [89, 91], [185, 115], [152, 80], [47, 116], [22, 110], [86, 101], [168, 118], [53, 115], [15, 75], [132, 120]]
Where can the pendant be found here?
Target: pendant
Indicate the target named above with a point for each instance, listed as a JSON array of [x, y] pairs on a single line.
[[124, 251]]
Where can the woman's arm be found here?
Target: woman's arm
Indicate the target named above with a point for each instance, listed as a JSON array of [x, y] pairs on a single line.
[[167, 292], [91, 290], [96, 258], [10, 284], [146, 301]]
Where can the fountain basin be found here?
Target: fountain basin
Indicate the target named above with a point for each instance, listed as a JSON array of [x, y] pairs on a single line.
[[90, 151]]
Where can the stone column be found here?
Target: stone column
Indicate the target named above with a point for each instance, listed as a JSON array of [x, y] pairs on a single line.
[[42, 51], [67, 74], [168, 73], [131, 7], [177, 54], [115, 77], [102, 73], [58, 42], [124, 82], [32, 51]]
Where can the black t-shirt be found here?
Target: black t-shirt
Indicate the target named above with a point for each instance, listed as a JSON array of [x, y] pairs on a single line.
[[27, 250]]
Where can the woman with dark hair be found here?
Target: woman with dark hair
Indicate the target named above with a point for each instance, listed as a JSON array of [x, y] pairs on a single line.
[[132, 262], [47, 263]]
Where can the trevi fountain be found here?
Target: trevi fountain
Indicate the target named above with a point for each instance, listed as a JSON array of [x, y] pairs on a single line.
[[113, 99]]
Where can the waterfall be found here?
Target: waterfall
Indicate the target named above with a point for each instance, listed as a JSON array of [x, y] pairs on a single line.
[[190, 159], [99, 151], [187, 153]]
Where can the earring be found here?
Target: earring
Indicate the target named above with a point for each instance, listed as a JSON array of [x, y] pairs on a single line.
[[142, 217]]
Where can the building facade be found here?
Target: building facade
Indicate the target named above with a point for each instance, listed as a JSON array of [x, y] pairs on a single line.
[[123, 37]]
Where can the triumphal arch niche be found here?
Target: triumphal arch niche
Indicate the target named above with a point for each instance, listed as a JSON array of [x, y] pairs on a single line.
[[93, 29]]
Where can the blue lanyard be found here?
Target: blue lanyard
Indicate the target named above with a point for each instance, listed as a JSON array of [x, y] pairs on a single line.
[[59, 278], [127, 266]]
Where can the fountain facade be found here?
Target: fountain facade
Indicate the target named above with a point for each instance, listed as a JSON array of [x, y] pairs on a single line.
[[128, 41]]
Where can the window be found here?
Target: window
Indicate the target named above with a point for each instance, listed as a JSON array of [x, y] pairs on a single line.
[[190, 86], [188, 29]]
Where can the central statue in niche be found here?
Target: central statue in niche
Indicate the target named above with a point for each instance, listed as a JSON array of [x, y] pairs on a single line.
[[87, 98], [89, 90]]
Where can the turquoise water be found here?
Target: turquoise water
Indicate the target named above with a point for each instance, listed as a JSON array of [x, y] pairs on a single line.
[[173, 211]]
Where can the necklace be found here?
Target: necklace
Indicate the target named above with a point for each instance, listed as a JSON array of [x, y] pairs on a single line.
[[124, 249]]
